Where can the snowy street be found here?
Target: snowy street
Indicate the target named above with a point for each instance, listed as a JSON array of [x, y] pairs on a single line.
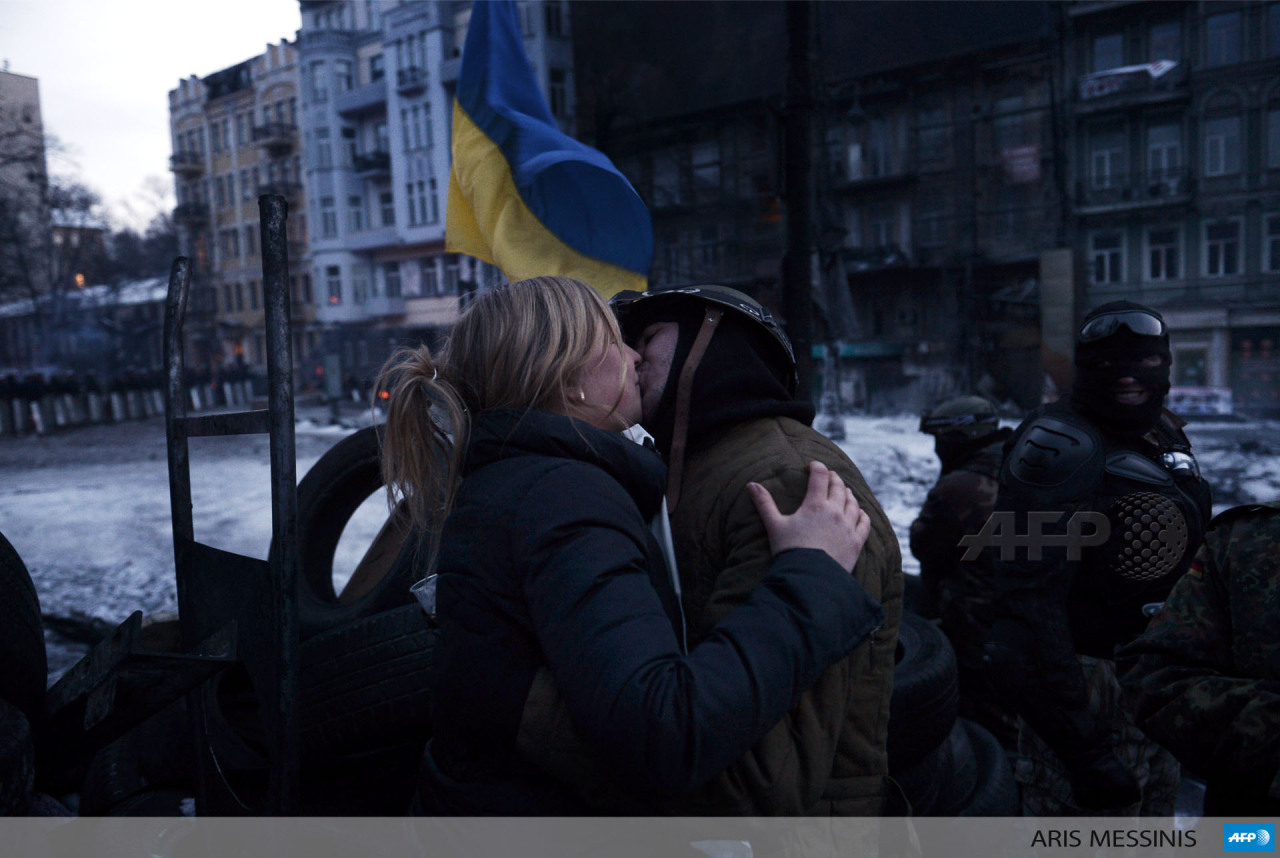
[[88, 510]]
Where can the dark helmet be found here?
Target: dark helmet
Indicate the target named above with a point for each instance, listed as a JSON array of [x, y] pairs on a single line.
[[962, 418], [636, 310]]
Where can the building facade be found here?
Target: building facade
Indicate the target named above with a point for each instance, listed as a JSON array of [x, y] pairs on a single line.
[[936, 176], [236, 136], [1176, 179], [375, 105]]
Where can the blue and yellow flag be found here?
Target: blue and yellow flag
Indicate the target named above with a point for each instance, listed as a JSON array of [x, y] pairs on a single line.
[[523, 195]]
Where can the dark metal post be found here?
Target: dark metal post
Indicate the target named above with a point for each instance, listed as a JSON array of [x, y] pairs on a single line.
[[797, 265], [176, 409], [273, 211]]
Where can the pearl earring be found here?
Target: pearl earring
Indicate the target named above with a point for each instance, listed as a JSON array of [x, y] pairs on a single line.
[[582, 395]]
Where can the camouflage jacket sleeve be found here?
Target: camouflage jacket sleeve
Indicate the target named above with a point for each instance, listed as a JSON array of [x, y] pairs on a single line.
[[1204, 678]]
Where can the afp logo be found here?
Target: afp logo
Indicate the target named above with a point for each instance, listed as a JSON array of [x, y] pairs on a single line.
[[1249, 837]]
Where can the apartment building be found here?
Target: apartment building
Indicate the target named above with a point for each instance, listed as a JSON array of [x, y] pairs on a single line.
[[236, 136], [1176, 179], [937, 181], [376, 101]]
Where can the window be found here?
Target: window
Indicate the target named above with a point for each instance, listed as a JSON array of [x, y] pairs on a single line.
[[555, 18], [250, 242], [1108, 258], [227, 303], [434, 201], [1222, 39], [381, 143], [1009, 127], [239, 297], [1162, 253], [324, 154], [451, 276], [404, 129], [1106, 160], [1222, 146], [307, 295], [319, 91], [706, 171], [333, 278], [246, 186], [391, 277], [1164, 150], [386, 203], [1190, 367], [882, 231], [1271, 244], [377, 68], [668, 190], [218, 193], [430, 278], [879, 153], [1166, 42], [254, 290], [558, 95], [355, 206], [360, 290], [427, 132], [1108, 51], [930, 221], [328, 218], [415, 128], [241, 137], [932, 137], [1273, 139], [342, 75], [1222, 248]]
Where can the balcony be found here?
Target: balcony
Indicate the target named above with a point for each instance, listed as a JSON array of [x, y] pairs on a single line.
[[194, 215], [373, 165], [367, 99], [1155, 188], [275, 136], [288, 190], [383, 306], [411, 80], [1148, 83], [186, 164]]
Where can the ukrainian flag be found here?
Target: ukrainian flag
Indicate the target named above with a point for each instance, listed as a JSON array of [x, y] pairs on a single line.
[[524, 196]]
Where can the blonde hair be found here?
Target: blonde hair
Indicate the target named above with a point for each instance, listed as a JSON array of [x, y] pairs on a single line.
[[522, 345]]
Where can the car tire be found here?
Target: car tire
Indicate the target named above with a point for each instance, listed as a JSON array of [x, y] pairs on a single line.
[[328, 495], [922, 710], [22, 650]]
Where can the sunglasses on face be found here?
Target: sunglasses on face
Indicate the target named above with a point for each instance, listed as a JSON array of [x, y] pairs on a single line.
[[1139, 322]]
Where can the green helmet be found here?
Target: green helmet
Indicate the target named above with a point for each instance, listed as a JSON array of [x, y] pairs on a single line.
[[635, 310], [961, 418]]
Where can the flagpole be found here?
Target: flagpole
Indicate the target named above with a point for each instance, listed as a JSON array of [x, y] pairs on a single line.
[[797, 264]]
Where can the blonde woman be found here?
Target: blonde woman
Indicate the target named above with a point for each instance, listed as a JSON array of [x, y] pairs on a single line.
[[536, 510]]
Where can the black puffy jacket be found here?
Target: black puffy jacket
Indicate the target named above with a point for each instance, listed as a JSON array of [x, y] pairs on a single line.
[[547, 559]]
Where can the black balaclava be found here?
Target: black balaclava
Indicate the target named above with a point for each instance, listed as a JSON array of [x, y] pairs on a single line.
[[1092, 392], [739, 378]]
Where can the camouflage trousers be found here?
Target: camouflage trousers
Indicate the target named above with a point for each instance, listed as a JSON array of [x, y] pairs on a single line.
[[1046, 791]]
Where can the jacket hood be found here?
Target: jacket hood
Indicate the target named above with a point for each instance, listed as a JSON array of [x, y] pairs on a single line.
[[507, 433], [736, 381]]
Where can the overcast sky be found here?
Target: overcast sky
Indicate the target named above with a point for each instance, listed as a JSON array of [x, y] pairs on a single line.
[[106, 67]]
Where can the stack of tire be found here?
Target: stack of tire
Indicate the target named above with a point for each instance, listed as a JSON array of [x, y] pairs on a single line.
[[364, 661], [945, 765]]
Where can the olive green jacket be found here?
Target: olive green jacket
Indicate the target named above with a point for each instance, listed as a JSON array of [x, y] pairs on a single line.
[[827, 757]]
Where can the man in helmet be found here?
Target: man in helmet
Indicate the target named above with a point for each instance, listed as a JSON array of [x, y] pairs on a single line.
[[718, 385], [1108, 480], [969, 443]]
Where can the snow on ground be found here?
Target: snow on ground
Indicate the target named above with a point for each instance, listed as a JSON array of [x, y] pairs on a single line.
[[88, 510]]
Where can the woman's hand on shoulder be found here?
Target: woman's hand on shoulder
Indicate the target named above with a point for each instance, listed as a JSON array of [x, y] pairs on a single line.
[[828, 519]]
